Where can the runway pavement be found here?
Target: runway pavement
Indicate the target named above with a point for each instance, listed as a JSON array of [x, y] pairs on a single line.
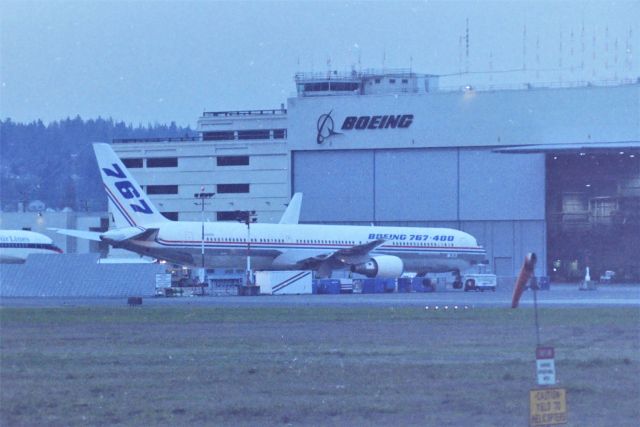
[[557, 296]]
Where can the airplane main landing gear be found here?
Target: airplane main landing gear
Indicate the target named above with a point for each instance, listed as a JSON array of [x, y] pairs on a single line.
[[457, 283]]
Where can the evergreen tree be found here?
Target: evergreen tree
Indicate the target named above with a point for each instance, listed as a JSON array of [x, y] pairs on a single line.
[[55, 162]]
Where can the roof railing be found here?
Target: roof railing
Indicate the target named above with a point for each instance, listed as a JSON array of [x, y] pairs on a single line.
[[240, 113], [172, 139], [356, 75]]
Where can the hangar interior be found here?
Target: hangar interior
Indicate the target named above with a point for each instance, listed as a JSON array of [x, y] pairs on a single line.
[[593, 210]]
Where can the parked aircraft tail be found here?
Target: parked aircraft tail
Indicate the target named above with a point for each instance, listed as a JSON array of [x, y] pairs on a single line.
[[292, 214], [128, 199]]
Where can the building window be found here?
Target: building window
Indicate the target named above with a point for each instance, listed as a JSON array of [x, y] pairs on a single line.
[[173, 216], [344, 86], [162, 189], [279, 133], [316, 87], [232, 160], [253, 134], [218, 136], [162, 162], [233, 188], [227, 216], [405, 80], [392, 81], [132, 163], [377, 81]]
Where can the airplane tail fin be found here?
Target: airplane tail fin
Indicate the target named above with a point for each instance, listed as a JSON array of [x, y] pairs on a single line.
[[292, 213], [126, 196]]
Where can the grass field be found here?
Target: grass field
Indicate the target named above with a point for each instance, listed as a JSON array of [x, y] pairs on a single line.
[[311, 366]]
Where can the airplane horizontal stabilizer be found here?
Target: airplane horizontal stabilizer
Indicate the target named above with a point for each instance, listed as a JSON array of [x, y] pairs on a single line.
[[88, 235], [149, 234], [119, 235]]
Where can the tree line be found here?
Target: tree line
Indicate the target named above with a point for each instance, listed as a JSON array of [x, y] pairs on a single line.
[[55, 165]]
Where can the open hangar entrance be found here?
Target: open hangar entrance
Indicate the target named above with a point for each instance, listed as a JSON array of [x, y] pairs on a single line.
[[592, 209]]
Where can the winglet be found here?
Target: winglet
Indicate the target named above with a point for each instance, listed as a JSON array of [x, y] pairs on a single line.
[[292, 214]]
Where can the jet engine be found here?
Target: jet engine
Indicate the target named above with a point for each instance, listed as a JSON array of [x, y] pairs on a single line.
[[380, 266]]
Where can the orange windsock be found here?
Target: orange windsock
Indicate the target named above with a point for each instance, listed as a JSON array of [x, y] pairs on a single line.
[[523, 278]]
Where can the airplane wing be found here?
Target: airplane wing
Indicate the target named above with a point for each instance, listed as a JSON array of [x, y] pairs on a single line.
[[358, 253], [329, 259], [89, 235], [292, 214]]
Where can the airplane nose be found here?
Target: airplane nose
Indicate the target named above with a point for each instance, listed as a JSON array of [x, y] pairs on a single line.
[[469, 240]]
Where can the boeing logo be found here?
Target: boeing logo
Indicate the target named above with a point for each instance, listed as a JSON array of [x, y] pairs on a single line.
[[388, 121], [325, 127], [402, 121]]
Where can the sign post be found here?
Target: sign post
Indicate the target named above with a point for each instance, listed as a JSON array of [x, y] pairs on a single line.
[[545, 366], [548, 406]]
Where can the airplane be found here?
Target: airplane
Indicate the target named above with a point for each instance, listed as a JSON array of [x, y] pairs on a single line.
[[372, 251], [17, 245]]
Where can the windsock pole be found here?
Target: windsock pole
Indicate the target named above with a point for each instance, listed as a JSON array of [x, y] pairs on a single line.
[[534, 287], [526, 272]]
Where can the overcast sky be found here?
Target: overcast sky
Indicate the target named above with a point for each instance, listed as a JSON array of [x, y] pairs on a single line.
[[162, 61]]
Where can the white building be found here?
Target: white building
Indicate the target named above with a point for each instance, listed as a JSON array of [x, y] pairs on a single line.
[[240, 155]]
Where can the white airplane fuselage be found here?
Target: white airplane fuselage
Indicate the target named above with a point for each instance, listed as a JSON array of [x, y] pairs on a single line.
[[225, 245], [17, 245]]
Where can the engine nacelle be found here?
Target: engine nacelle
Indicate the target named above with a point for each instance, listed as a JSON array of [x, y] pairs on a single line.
[[380, 266]]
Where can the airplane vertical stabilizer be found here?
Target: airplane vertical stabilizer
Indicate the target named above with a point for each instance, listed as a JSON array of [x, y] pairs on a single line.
[[130, 202], [117, 219], [292, 214]]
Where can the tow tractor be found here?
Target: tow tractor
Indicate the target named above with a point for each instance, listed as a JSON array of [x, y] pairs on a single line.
[[480, 279]]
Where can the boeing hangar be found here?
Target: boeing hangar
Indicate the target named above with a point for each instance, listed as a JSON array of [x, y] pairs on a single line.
[[553, 169]]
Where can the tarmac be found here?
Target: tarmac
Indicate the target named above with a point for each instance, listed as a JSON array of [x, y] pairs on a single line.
[[559, 295]]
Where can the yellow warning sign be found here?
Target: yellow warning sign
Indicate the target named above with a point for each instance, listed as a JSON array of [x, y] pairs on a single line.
[[548, 406]]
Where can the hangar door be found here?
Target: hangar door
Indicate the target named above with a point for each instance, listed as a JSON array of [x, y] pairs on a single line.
[[416, 185], [338, 185], [381, 186]]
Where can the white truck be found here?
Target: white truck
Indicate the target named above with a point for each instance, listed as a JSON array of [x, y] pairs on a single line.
[[480, 279]]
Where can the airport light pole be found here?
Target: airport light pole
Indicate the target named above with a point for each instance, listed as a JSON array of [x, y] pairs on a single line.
[[201, 197], [247, 217]]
